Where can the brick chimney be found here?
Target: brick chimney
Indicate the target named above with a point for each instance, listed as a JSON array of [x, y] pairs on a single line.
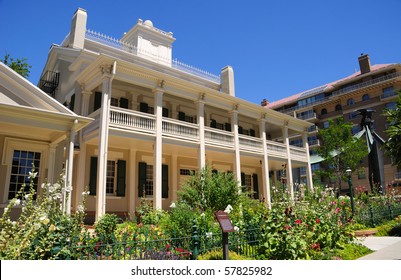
[[264, 103], [364, 63]]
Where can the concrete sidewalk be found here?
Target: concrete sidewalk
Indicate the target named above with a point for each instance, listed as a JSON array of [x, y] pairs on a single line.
[[385, 247]]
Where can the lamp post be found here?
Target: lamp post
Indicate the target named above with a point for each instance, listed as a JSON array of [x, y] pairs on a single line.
[[351, 191]]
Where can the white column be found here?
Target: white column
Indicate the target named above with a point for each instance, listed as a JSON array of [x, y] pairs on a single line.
[[237, 161], [201, 123], [174, 173], [309, 179], [80, 187], [133, 179], [69, 168], [85, 102], [51, 164], [289, 164], [103, 143], [265, 164], [157, 168]]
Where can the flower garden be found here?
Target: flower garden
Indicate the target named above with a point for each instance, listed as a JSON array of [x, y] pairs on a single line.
[[316, 225]]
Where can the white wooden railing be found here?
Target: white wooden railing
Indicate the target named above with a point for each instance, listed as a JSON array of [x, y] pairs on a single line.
[[250, 143], [132, 120], [172, 127], [276, 149], [215, 136]]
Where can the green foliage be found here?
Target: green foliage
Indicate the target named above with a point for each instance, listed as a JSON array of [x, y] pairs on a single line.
[[351, 251], [20, 65], [218, 255], [106, 226], [43, 230], [393, 144], [340, 149], [391, 228], [209, 190]]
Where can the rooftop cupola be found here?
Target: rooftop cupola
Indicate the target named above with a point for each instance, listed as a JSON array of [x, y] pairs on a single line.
[[150, 42]]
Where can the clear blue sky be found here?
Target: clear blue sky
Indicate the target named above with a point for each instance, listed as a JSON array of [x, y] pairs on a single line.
[[277, 48]]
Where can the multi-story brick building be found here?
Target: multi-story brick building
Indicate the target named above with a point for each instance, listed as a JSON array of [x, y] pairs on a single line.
[[373, 87]]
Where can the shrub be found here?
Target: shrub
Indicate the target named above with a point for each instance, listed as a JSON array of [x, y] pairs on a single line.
[[106, 226], [218, 255], [43, 230]]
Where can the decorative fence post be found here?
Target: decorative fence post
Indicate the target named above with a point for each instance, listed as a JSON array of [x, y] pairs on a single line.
[[195, 241], [371, 215]]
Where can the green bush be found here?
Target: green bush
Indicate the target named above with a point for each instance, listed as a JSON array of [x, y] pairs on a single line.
[[391, 228], [43, 230], [106, 226], [218, 255]]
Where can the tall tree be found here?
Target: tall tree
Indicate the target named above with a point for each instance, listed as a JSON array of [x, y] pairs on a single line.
[[19, 65], [340, 150], [393, 144]]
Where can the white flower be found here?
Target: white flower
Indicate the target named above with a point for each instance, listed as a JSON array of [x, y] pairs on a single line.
[[209, 234], [14, 223], [32, 174], [228, 209], [236, 228], [26, 196], [18, 202], [173, 205], [36, 226], [202, 215], [5, 209], [80, 208]]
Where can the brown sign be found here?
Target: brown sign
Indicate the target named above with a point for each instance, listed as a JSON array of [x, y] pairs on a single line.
[[224, 221]]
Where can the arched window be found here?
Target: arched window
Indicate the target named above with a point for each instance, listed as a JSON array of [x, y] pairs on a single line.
[[338, 107], [350, 102], [365, 97], [324, 111]]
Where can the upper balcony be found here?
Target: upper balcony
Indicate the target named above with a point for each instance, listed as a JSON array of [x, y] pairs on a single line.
[[145, 124]]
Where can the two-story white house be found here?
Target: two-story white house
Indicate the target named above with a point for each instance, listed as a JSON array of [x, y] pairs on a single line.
[[157, 119]]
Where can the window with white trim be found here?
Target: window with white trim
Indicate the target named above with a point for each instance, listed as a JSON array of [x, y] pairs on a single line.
[[111, 177], [149, 180]]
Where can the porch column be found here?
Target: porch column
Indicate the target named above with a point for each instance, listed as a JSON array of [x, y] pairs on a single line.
[[85, 102], [289, 164], [174, 170], [132, 185], [80, 187], [201, 122], [157, 168], [309, 179], [265, 163], [103, 141], [237, 161], [51, 164], [69, 169]]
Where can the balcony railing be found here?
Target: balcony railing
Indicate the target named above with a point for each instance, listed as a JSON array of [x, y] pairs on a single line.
[[308, 116], [123, 46], [143, 123]]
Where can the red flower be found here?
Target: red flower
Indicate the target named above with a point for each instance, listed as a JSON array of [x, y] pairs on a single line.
[[315, 246], [334, 202], [287, 227], [298, 221], [317, 221], [168, 247], [338, 210]]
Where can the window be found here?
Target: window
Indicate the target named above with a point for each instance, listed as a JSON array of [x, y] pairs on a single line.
[[315, 166], [114, 102], [387, 92], [355, 130], [326, 124], [249, 183], [110, 176], [186, 172], [365, 97], [145, 180], [296, 142], [324, 111], [22, 163], [350, 102], [338, 107], [391, 106], [353, 115], [149, 180], [361, 174]]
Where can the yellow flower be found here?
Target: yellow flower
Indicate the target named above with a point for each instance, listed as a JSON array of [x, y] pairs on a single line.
[[52, 227]]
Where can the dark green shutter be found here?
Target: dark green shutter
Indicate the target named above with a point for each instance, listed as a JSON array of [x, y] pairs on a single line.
[[98, 101], [164, 181], [165, 112], [124, 103], [93, 176], [255, 186], [141, 178], [72, 102], [121, 172], [240, 130], [143, 107], [181, 116], [213, 123], [252, 132], [228, 126]]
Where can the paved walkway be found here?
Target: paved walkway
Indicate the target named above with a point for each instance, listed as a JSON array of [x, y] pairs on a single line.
[[386, 247]]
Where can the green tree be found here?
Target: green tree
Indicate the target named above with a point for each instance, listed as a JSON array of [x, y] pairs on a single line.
[[340, 150], [19, 65], [393, 144], [210, 190]]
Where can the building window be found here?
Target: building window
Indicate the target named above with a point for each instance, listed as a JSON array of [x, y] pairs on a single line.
[[315, 166], [22, 163], [338, 107], [387, 92], [149, 180], [365, 97], [186, 172], [110, 176], [361, 174], [326, 124], [391, 106], [324, 111], [350, 102], [114, 102], [355, 130], [296, 142], [353, 115]]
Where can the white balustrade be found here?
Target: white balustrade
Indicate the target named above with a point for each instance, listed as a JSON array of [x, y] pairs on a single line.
[[179, 128], [276, 149], [219, 137], [132, 120], [250, 143]]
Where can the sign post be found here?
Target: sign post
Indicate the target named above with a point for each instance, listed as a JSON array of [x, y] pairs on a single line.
[[226, 227]]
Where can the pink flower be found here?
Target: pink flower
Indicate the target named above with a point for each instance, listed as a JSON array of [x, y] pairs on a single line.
[[334, 202], [287, 227], [317, 221], [338, 210], [298, 221]]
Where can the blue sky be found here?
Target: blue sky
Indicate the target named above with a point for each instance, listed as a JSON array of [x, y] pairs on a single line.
[[277, 48]]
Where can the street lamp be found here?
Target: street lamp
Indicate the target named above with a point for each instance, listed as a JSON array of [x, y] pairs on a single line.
[[351, 191]]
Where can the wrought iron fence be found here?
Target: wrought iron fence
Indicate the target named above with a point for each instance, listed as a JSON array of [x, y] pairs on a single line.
[[374, 215]]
